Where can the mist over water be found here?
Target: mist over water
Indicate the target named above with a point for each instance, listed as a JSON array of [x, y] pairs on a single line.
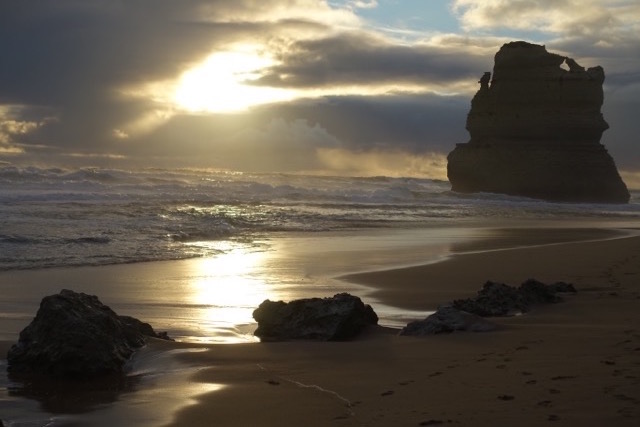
[[59, 217]]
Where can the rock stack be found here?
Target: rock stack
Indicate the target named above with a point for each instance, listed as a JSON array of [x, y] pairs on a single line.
[[535, 129]]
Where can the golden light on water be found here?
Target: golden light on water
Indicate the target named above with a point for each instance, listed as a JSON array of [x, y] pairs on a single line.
[[228, 287], [222, 82]]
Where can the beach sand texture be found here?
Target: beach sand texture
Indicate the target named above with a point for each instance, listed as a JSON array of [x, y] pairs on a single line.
[[575, 363]]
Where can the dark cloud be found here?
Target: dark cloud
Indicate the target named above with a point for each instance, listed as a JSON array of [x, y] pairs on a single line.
[[286, 136], [65, 63], [357, 58]]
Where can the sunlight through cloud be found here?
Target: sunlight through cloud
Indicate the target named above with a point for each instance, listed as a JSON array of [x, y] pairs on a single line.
[[222, 82]]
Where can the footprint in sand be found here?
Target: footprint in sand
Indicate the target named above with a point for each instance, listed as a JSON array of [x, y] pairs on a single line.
[[563, 377], [506, 397]]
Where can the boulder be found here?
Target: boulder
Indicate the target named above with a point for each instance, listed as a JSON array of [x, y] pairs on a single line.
[[448, 319], [498, 299], [75, 336], [535, 130], [338, 318]]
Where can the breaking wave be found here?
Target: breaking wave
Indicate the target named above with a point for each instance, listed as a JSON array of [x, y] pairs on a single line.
[[60, 217]]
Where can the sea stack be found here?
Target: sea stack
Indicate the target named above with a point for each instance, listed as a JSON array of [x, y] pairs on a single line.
[[535, 127]]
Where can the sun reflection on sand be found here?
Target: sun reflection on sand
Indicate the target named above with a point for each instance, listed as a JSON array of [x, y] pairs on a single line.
[[228, 287]]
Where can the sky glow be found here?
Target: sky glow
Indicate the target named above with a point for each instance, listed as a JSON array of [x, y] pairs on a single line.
[[307, 86]]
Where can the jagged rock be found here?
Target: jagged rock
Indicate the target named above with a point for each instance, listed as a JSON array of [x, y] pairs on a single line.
[[498, 299], [535, 131], [494, 299], [338, 318], [75, 336], [448, 319]]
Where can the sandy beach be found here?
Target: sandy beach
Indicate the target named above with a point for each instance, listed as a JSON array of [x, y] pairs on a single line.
[[574, 363]]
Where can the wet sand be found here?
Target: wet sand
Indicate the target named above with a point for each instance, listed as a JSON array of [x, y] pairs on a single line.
[[574, 363]]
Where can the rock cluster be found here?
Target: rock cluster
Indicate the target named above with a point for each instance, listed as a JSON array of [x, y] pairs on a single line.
[[338, 318], [493, 300], [498, 299], [75, 336], [448, 319], [535, 131]]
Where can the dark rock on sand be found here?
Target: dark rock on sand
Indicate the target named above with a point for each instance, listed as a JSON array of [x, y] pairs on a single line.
[[75, 336], [494, 299], [498, 299], [338, 318], [448, 319], [535, 131]]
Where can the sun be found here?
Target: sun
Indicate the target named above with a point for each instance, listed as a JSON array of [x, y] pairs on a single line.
[[222, 82]]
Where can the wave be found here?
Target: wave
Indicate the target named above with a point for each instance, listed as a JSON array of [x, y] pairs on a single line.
[[90, 216]]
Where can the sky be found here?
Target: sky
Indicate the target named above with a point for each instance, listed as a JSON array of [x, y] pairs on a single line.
[[348, 87]]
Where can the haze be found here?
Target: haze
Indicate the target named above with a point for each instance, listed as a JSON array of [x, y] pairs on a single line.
[[350, 87]]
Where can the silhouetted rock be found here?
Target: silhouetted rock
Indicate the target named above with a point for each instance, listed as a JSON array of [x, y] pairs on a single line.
[[494, 299], [535, 131], [75, 336], [498, 299], [448, 319], [338, 318]]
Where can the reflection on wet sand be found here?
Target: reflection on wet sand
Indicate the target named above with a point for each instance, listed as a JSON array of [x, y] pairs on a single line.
[[145, 397], [228, 287]]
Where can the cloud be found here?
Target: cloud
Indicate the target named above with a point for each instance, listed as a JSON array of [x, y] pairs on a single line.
[[364, 59], [280, 145], [93, 79], [16, 132], [363, 4], [561, 16]]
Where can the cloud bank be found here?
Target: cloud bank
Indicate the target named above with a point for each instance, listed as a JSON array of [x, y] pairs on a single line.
[[97, 81]]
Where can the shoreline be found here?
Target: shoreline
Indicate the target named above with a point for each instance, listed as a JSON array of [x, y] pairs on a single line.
[[574, 363], [411, 288]]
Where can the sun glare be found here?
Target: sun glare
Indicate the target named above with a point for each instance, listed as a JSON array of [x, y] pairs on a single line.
[[222, 83], [228, 288]]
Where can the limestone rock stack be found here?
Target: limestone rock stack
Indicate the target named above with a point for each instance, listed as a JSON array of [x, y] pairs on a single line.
[[535, 129]]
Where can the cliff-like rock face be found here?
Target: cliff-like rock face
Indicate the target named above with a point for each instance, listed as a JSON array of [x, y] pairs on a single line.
[[535, 131]]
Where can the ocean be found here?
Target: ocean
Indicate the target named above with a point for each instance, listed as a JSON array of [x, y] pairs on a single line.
[[86, 217]]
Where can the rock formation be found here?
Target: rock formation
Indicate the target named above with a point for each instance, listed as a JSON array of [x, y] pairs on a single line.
[[498, 299], [535, 131], [75, 336], [339, 318], [448, 319]]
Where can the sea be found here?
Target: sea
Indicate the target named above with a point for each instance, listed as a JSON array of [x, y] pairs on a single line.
[[54, 217]]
